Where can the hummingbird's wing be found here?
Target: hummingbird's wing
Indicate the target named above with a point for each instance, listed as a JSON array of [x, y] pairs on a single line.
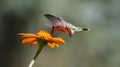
[[56, 21], [53, 18]]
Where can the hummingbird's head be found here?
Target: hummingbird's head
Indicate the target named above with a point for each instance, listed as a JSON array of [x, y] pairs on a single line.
[[79, 29]]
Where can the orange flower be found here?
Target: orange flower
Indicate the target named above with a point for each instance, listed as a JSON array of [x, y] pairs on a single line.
[[41, 36]]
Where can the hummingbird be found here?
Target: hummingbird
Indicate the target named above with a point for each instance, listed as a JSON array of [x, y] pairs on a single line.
[[59, 24]]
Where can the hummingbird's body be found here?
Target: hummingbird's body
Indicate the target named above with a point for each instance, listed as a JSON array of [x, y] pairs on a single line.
[[59, 24]]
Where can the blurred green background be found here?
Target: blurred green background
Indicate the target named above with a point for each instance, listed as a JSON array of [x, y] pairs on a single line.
[[99, 47]]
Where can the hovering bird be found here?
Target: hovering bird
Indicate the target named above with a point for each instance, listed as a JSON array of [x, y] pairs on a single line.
[[58, 24]]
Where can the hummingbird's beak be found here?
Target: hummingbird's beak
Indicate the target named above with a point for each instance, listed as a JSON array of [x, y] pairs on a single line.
[[85, 29]]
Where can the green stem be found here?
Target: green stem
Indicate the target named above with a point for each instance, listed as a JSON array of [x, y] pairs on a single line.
[[42, 43], [40, 47]]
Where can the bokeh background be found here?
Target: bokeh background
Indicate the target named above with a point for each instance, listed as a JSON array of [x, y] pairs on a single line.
[[99, 47]]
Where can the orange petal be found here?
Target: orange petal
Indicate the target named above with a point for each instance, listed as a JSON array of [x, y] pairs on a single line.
[[32, 43], [56, 44], [58, 40], [52, 45], [27, 35], [28, 40]]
